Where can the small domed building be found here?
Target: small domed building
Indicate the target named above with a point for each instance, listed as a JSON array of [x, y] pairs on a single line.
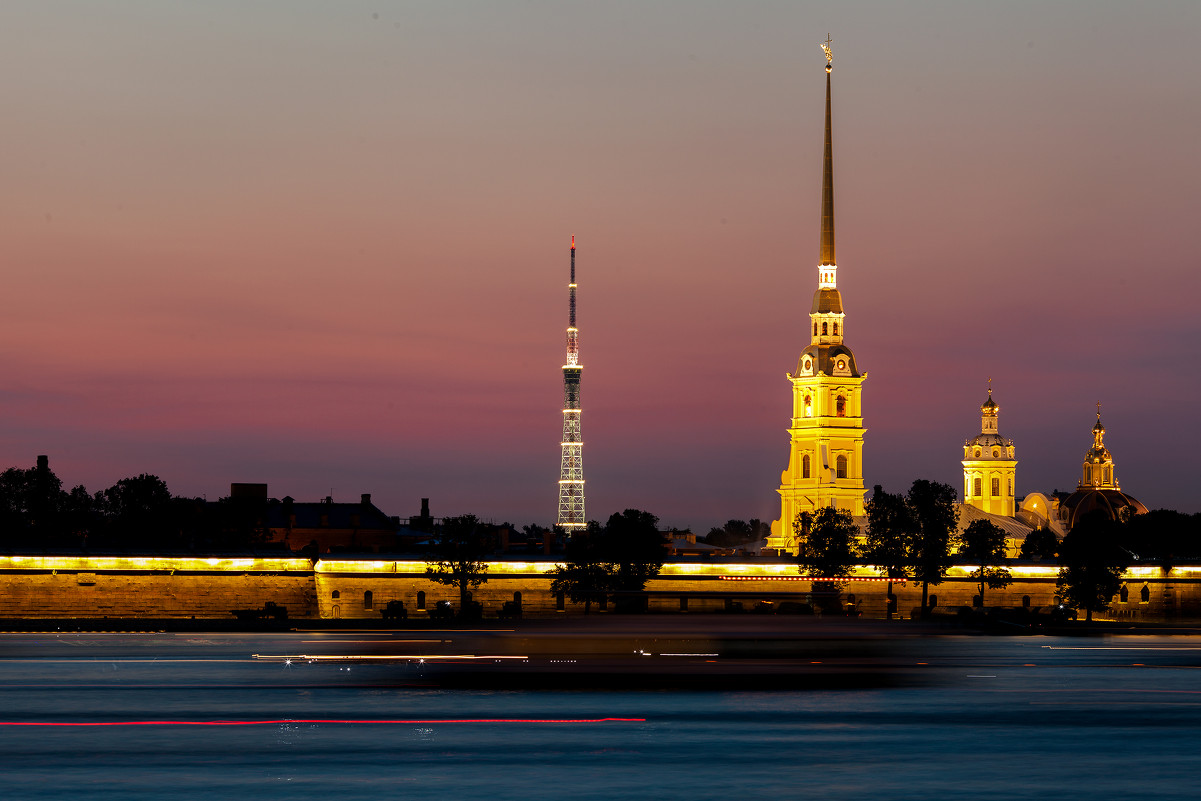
[[989, 466], [1098, 487]]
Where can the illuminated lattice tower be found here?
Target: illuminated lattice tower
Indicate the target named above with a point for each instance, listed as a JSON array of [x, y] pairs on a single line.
[[571, 465]]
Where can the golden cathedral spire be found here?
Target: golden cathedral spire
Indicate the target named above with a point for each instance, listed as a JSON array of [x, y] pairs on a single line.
[[827, 237], [825, 462]]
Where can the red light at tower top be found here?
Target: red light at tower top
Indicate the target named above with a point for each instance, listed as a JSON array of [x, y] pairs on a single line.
[[573, 241]]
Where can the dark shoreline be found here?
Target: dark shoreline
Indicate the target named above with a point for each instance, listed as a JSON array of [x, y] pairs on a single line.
[[942, 624]]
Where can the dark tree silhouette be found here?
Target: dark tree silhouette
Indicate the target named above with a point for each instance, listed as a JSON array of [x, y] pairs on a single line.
[[890, 538], [933, 506], [33, 509], [138, 512], [984, 547], [1092, 561], [619, 557], [736, 532], [1163, 536], [586, 576], [460, 548], [633, 543], [826, 548], [1041, 543]]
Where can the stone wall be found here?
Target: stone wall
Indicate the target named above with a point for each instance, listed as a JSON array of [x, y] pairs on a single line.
[[153, 587], [141, 587]]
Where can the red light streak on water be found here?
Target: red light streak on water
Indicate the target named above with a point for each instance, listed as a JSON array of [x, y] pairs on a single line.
[[83, 724]]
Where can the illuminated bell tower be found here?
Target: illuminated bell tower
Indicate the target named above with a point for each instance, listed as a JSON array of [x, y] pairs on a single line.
[[1098, 462], [571, 464], [989, 469], [825, 463]]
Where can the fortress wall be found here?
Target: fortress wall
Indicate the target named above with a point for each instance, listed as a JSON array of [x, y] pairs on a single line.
[[149, 587]]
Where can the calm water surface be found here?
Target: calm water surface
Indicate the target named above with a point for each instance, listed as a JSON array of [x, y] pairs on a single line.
[[1011, 718]]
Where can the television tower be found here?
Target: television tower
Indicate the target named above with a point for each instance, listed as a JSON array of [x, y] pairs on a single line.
[[571, 466]]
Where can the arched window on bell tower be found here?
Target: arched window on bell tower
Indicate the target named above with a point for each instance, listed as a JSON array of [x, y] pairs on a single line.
[[825, 329], [840, 406], [840, 466], [805, 466]]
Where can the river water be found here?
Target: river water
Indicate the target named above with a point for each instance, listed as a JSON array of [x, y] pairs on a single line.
[[199, 716]]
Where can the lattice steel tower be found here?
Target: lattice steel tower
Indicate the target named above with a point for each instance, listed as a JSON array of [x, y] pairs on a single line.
[[571, 466]]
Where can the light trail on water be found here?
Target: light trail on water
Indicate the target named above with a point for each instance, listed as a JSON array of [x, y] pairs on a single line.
[[316, 721]]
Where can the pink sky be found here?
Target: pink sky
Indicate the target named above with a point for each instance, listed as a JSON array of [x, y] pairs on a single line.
[[324, 246]]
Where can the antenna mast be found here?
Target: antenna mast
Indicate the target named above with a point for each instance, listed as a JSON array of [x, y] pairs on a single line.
[[571, 464]]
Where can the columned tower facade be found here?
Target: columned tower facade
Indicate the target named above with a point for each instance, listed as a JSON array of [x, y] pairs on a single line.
[[571, 463], [825, 463], [989, 469]]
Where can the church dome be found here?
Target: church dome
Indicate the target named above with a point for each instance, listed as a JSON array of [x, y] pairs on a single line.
[[826, 301], [827, 360], [990, 405], [1111, 501], [988, 440]]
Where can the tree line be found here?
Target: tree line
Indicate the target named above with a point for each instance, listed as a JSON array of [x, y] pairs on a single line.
[[138, 513], [613, 560], [915, 537]]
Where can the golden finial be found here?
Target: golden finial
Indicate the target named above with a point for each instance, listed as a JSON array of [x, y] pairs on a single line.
[[829, 53], [990, 386], [1098, 410]]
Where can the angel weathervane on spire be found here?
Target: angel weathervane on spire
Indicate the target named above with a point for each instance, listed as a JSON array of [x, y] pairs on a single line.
[[829, 53]]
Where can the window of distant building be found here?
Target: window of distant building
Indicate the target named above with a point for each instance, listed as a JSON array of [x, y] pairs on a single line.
[[814, 328], [1011, 487], [836, 329], [1026, 601], [336, 595], [421, 599], [367, 599], [805, 466], [840, 406], [976, 487], [1145, 594], [560, 601], [841, 466], [825, 329], [1124, 594], [996, 486]]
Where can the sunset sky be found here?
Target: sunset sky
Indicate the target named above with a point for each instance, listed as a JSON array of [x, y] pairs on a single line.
[[324, 245]]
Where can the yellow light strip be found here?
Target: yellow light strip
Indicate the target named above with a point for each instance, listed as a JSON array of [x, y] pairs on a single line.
[[180, 563]]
